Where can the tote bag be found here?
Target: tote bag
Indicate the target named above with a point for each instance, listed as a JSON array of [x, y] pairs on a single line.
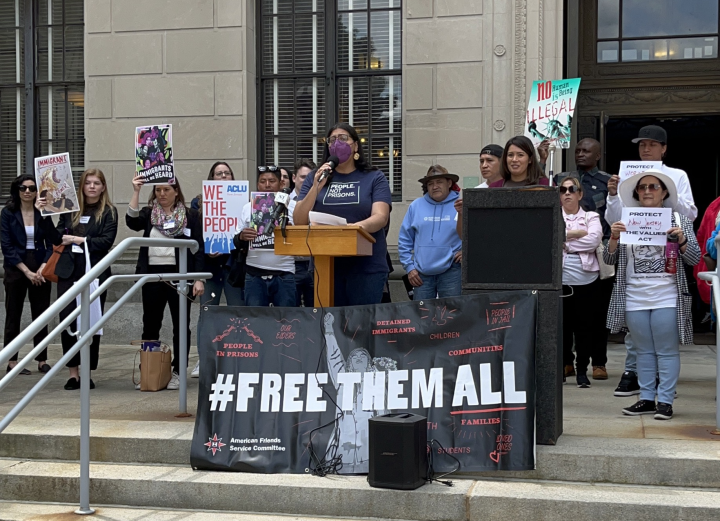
[[95, 308]]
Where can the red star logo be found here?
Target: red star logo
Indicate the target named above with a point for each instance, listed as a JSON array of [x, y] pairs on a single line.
[[215, 444]]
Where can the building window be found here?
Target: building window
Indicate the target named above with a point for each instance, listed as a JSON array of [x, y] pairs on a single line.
[[327, 61], [50, 98], [638, 30]]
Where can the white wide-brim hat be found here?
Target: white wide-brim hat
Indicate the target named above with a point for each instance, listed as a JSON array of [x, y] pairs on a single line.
[[627, 188]]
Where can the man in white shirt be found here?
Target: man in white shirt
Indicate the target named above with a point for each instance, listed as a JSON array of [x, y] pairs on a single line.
[[269, 278], [652, 145], [304, 274]]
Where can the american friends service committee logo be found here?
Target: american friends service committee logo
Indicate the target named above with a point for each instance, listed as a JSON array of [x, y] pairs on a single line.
[[215, 444]]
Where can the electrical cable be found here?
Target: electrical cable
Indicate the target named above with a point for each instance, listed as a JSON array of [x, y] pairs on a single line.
[[431, 470]]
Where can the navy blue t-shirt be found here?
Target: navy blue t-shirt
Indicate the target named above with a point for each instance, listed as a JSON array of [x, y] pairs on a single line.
[[351, 196]]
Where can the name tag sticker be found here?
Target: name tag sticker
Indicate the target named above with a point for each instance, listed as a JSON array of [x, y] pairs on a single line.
[[169, 225], [84, 219], [186, 232], [76, 249]]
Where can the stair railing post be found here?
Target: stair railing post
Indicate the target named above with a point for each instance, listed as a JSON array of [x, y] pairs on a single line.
[[183, 336], [85, 405]]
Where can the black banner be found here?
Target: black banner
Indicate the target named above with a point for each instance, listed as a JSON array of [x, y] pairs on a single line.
[[274, 379]]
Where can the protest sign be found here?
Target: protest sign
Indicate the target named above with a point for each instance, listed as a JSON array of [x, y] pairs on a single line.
[[550, 111], [54, 179], [263, 204], [154, 154], [632, 168], [222, 205], [283, 388], [646, 226]]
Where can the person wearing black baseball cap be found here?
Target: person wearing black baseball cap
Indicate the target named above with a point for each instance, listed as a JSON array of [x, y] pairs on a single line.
[[652, 146], [490, 164]]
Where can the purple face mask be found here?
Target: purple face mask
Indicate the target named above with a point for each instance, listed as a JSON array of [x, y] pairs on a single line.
[[342, 150]]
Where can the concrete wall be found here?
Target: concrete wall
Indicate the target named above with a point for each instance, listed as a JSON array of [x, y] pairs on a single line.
[[186, 62], [468, 66]]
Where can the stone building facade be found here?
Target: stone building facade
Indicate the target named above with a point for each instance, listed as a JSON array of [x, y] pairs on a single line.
[[467, 67]]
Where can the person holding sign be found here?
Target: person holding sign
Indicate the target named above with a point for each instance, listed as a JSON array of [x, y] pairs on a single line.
[[583, 320], [652, 146], [361, 195], [165, 217], [651, 299], [26, 247], [520, 165], [269, 278], [93, 228]]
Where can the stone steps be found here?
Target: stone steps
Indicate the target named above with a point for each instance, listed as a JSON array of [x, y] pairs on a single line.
[[653, 462], [163, 487], [55, 511]]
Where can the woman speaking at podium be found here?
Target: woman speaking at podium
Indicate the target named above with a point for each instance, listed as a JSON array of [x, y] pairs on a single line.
[[361, 195]]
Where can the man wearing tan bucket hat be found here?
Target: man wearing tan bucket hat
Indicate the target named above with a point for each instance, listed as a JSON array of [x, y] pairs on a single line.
[[429, 246]]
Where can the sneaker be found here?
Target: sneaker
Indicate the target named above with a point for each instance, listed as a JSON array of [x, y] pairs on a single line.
[[664, 411], [599, 372], [196, 372], [582, 381], [137, 387], [628, 385], [174, 383], [641, 407], [569, 370]]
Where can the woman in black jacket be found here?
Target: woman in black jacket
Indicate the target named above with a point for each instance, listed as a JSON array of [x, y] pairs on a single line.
[[26, 248], [166, 216], [93, 227]]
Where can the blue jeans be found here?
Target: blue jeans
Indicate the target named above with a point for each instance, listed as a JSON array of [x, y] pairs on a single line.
[[630, 354], [278, 290], [304, 284], [217, 285], [446, 284], [359, 289], [657, 341]]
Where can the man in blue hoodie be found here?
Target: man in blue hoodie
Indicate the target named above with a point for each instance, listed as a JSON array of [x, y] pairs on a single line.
[[430, 248]]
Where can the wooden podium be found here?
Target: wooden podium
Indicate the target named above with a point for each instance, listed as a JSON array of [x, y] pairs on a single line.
[[324, 243]]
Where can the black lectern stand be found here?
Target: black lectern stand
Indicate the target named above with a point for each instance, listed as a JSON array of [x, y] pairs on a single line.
[[512, 240]]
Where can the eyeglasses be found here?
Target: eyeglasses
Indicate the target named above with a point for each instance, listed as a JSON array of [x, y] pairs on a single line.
[[653, 187], [568, 189], [342, 137], [222, 174], [270, 168], [24, 188]]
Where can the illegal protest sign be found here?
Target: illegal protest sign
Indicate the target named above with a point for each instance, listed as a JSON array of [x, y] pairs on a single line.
[[550, 111], [222, 205], [154, 154], [54, 179], [646, 226], [282, 389]]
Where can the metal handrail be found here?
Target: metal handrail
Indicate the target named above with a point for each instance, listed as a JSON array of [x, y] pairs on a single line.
[[714, 278], [86, 332]]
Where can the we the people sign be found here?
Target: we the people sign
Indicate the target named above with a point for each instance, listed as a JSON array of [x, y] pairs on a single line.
[[222, 204], [646, 226]]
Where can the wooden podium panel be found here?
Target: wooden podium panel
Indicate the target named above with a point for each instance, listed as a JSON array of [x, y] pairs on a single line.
[[324, 243]]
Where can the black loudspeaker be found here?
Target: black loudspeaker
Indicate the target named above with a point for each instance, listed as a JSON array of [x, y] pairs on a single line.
[[398, 451]]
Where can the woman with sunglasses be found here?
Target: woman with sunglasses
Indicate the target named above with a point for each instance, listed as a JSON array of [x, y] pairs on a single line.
[[649, 300], [93, 227], [361, 195], [583, 320], [26, 247]]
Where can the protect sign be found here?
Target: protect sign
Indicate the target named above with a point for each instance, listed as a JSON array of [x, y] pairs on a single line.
[[222, 204]]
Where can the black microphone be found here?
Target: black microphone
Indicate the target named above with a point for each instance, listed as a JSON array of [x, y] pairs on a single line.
[[333, 162], [282, 198]]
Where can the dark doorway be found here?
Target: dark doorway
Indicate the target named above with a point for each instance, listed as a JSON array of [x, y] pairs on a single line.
[[693, 146]]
